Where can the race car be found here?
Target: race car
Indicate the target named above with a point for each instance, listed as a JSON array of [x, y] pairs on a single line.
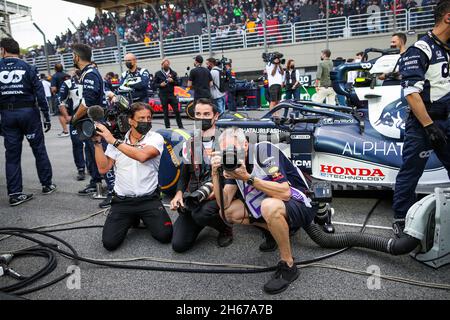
[[185, 98], [355, 147]]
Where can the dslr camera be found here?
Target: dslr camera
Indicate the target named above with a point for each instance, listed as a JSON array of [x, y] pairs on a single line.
[[272, 56], [231, 159], [193, 200], [114, 118]]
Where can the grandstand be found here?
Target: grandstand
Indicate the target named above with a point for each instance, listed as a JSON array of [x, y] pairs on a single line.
[[9, 13], [298, 29]]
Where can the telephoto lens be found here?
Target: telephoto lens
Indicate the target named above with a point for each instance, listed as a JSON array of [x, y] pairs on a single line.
[[193, 200]]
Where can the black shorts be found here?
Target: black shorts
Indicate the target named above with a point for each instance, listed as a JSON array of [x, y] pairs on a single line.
[[275, 92], [298, 214]]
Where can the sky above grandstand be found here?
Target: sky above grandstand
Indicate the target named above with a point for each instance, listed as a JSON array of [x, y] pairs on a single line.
[[51, 16]]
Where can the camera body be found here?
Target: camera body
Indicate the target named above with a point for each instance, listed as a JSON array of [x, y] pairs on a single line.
[[192, 200], [222, 62], [272, 56], [231, 159]]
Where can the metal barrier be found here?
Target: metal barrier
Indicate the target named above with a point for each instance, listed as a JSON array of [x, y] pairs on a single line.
[[317, 29], [177, 46], [420, 18], [379, 22]]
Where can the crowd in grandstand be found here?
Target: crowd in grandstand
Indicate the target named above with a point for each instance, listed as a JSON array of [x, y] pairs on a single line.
[[140, 25]]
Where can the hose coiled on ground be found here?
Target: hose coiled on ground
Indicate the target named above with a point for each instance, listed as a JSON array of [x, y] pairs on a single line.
[[392, 246]]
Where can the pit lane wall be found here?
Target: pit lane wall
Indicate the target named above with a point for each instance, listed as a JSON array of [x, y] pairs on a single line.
[[247, 60]]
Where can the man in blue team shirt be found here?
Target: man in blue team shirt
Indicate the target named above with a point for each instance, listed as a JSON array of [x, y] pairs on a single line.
[[92, 94], [135, 78], [20, 88], [426, 84], [57, 80], [69, 99]]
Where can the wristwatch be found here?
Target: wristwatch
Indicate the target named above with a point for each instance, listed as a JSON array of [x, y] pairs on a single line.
[[117, 143], [251, 181]]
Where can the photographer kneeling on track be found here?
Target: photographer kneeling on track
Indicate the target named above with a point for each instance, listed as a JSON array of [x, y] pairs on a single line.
[[136, 194], [272, 195], [198, 208], [275, 76]]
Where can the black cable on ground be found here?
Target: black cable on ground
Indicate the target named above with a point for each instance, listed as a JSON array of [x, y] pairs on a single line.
[[48, 248]]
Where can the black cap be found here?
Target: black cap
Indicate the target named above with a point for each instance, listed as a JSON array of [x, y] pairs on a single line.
[[199, 59]]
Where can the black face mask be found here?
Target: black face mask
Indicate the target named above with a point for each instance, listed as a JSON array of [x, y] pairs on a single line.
[[144, 127], [129, 65], [292, 67], [206, 124]]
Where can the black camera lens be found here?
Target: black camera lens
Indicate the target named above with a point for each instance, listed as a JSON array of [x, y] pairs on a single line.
[[230, 160]]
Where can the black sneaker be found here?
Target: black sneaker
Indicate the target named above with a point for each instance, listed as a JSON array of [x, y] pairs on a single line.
[[269, 244], [282, 278], [225, 238], [88, 190], [106, 203], [81, 176], [398, 226], [49, 189], [18, 199]]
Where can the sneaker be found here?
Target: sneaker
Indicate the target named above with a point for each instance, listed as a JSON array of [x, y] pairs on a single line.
[[398, 226], [81, 176], [49, 189], [106, 203], [18, 199], [269, 244], [63, 134], [225, 238], [88, 190], [282, 278]]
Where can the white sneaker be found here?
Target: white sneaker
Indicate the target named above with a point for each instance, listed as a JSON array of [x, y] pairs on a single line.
[[63, 135]]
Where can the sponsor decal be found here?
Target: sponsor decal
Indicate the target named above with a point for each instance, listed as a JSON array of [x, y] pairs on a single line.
[[301, 137], [348, 173], [302, 163], [15, 76], [373, 148]]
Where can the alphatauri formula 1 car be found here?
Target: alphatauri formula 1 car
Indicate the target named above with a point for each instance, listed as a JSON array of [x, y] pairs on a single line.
[[358, 146]]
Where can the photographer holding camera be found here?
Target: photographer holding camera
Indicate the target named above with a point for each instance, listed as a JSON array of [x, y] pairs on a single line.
[[136, 162], [264, 189], [198, 208], [275, 76]]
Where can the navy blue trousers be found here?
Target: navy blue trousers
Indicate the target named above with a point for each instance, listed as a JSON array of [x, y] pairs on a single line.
[[110, 177], [77, 149], [415, 156], [16, 124]]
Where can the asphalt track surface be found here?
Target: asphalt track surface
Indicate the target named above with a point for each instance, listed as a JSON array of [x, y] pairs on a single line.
[[103, 283]]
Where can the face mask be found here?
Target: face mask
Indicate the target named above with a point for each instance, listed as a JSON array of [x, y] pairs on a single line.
[[292, 67], [144, 127], [75, 64], [129, 65], [206, 124]]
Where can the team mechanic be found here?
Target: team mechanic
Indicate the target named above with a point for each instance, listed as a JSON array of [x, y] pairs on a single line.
[[136, 194], [92, 94], [136, 78], [272, 196], [426, 84], [20, 88], [69, 100]]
